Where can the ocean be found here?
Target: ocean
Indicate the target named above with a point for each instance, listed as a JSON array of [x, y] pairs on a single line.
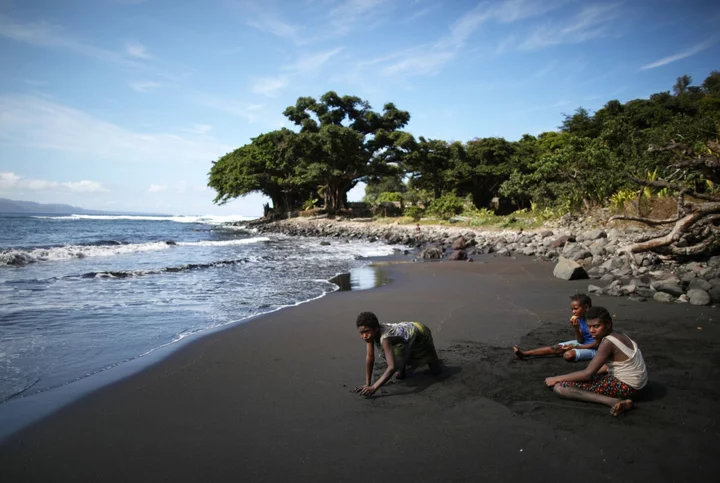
[[81, 294]]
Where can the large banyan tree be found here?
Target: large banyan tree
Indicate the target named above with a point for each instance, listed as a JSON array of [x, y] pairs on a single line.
[[340, 142]]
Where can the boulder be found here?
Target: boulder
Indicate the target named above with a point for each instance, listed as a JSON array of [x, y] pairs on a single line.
[[594, 289], [431, 252], [458, 255], [560, 242], [663, 297], [668, 288], [698, 297], [547, 233], [700, 284], [567, 269], [714, 293], [459, 243]]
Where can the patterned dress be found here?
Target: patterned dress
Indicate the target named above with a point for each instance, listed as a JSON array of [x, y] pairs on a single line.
[[413, 334]]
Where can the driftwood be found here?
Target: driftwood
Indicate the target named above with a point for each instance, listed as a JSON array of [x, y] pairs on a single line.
[[694, 228]]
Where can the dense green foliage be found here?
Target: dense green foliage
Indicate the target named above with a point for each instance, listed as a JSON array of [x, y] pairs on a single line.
[[586, 163]]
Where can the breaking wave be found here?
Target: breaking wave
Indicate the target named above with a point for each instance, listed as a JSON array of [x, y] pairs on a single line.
[[103, 248]]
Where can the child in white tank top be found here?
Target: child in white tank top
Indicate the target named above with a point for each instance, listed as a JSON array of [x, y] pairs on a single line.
[[614, 376]]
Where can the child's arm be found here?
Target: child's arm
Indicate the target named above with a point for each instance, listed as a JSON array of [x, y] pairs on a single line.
[[390, 359], [575, 322], [593, 345], [369, 363], [603, 354]]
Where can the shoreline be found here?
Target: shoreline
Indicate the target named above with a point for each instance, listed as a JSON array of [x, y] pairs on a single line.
[[18, 413], [269, 400]]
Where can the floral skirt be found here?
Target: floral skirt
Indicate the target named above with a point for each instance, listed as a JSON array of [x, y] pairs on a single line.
[[422, 350], [606, 385]]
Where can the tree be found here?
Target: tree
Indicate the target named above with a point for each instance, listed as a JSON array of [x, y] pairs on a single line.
[[348, 141], [682, 84], [270, 164], [428, 163]]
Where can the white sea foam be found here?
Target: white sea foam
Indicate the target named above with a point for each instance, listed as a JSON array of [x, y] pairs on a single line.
[[68, 252], [207, 219]]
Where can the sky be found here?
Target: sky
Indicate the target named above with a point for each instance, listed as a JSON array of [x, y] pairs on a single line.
[[123, 105]]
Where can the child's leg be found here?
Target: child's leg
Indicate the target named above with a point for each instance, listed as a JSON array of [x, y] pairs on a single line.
[[542, 351], [604, 389], [617, 406]]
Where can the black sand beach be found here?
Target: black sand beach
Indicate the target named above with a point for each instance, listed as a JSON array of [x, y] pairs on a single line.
[[269, 400]]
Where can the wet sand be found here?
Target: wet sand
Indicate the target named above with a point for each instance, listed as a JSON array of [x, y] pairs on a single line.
[[269, 400]]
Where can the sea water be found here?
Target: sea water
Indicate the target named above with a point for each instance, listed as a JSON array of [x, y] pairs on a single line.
[[81, 294]]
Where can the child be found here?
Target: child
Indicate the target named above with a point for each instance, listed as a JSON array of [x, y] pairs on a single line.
[[403, 344], [583, 348], [615, 374]]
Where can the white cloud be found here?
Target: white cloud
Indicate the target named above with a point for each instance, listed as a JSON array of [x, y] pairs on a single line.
[[37, 123], [11, 182], [313, 62], [270, 85], [591, 22], [144, 87], [696, 49], [274, 26], [137, 50], [157, 188], [198, 129]]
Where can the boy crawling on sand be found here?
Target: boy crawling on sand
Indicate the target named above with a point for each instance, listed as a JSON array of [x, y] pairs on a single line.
[[613, 377], [582, 348], [403, 345]]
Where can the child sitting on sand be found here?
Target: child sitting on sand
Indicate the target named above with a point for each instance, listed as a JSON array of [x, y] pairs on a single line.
[[613, 377], [403, 344], [583, 348]]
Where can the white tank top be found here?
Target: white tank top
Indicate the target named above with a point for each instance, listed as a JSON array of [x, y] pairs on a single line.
[[631, 371]]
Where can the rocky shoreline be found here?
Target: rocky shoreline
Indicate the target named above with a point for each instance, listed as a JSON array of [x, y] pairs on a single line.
[[581, 247]]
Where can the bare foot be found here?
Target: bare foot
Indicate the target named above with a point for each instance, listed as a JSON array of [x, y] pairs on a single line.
[[518, 352], [621, 407], [400, 374]]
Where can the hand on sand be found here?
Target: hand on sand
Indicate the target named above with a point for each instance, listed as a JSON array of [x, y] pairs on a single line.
[[550, 381], [364, 390]]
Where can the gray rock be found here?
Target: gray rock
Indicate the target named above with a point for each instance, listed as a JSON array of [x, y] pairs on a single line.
[[546, 233], [663, 297], [529, 251], [668, 288], [700, 284], [597, 248], [628, 289], [594, 289], [458, 255], [644, 292], [569, 270], [694, 267], [595, 234], [637, 298], [698, 297], [431, 252], [459, 243], [560, 242], [714, 293], [608, 277], [714, 261]]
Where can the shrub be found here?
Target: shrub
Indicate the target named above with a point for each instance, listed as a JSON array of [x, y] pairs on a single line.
[[414, 212], [447, 206]]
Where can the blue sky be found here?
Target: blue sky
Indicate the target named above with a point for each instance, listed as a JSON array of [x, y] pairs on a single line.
[[124, 104]]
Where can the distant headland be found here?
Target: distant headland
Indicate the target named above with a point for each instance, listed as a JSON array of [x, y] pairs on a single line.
[[14, 207]]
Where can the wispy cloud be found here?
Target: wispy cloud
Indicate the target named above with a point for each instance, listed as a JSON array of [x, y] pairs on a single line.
[[157, 188], [695, 49], [37, 123], [137, 50], [11, 182], [250, 112], [275, 26], [144, 86], [269, 86], [350, 14], [431, 58], [593, 21], [313, 62]]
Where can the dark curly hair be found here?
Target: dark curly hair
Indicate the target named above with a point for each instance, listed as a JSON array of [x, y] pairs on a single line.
[[582, 299], [367, 319], [600, 313]]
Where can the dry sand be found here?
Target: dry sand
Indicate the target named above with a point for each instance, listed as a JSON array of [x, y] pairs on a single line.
[[269, 400]]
